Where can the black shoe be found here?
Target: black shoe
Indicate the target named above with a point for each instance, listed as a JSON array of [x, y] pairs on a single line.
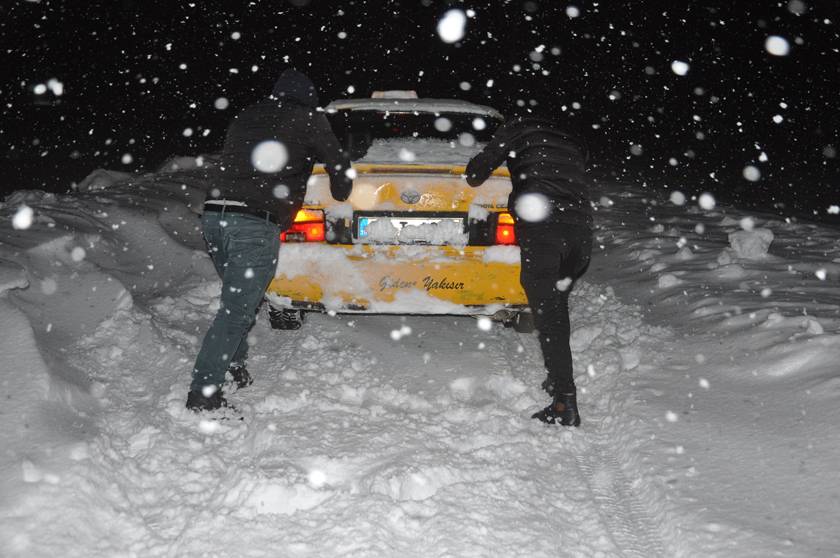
[[197, 401], [563, 410], [241, 377]]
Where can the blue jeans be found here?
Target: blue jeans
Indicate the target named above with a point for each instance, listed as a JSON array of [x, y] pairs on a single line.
[[244, 250]]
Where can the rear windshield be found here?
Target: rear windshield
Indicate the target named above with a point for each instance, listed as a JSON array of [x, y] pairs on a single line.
[[358, 129]]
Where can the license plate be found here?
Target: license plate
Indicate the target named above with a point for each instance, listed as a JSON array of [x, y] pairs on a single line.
[[403, 224]]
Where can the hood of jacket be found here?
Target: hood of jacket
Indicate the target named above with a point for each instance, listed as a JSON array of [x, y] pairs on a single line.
[[296, 87]]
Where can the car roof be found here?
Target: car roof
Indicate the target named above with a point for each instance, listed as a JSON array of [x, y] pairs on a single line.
[[414, 105]]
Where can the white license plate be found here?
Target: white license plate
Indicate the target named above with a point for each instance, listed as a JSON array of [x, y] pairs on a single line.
[[401, 227]]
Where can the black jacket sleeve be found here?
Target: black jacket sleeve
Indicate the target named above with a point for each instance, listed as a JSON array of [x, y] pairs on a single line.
[[494, 154], [336, 161]]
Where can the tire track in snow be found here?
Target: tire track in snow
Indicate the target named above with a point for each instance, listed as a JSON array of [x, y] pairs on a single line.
[[621, 510], [625, 517]]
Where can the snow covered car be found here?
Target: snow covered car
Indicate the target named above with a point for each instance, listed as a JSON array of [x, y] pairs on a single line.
[[413, 238]]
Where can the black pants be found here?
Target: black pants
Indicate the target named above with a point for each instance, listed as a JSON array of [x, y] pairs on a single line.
[[553, 257]]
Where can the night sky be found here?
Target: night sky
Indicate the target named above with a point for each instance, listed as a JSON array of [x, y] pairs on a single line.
[[88, 82]]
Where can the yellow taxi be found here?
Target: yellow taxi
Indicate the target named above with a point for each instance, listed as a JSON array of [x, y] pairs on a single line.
[[413, 238]]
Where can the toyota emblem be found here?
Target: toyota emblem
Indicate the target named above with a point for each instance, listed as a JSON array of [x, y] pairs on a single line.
[[410, 196]]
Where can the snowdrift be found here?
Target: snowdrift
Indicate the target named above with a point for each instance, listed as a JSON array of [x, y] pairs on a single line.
[[706, 352]]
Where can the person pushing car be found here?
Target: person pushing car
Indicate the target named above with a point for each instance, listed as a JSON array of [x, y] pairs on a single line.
[[258, 187], [553, 225]]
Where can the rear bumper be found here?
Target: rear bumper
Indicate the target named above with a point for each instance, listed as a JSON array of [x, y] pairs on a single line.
[[473, 280]]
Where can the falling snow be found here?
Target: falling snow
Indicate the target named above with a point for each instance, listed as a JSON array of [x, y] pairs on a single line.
[[269, 156], [707, 201], [752, 173], [777, 46], [23, 218], [679, 67], [532, 207], [452, 26]]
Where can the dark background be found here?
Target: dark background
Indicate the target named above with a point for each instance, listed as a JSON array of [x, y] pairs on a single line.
[[125, 91]]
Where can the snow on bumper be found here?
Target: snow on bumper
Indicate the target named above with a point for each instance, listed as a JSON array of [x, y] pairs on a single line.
[[397, 279]]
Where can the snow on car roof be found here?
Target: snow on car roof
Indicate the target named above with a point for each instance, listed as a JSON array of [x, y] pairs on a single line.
[[411, 105]]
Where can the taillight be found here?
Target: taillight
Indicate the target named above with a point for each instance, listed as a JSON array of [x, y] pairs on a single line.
[[504, 229], [308, 226]]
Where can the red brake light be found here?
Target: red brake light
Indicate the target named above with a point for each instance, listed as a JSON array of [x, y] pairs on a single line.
[[504, 229], [308, 226]]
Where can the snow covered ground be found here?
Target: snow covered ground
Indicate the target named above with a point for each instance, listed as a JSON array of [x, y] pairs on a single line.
[[707, 369]]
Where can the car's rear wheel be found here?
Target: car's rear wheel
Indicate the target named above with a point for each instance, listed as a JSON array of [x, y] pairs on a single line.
[[522, 322], [285, 318]]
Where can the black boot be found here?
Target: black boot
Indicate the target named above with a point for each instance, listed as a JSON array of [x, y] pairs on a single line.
[[241, 377], [197, 401], [563, 410]]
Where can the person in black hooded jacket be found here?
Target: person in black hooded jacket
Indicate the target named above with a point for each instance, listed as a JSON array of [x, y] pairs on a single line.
[[271, 147], [553, 226], [255, 192]]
